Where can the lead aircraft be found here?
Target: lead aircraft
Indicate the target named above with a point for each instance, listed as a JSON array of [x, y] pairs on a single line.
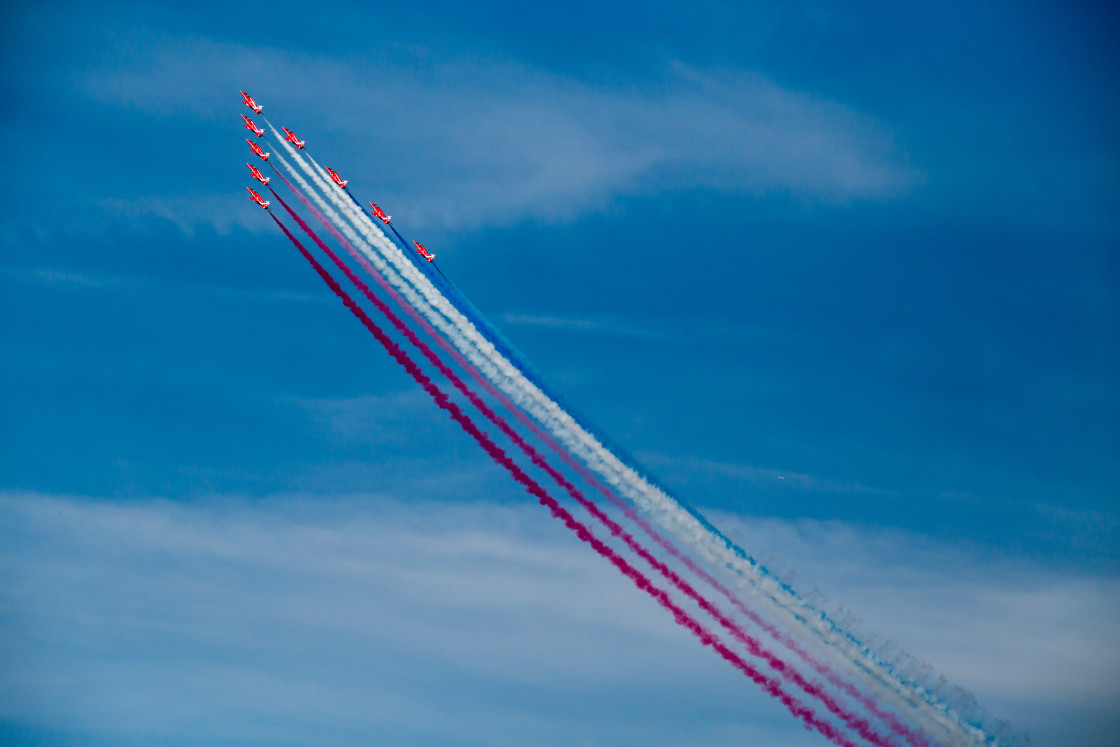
[[251, 104]]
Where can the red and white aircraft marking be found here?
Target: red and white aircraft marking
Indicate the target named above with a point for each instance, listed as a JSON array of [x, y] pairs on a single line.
[[250, 126], [424, 252], [251, 104], [257, 198], [258, 175], [257, 149], [379, 213], [291, 137], [337, 179]]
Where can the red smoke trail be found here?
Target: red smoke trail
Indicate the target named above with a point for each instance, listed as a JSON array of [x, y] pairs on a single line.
[[915, 738], [769, 684], [753, 645]]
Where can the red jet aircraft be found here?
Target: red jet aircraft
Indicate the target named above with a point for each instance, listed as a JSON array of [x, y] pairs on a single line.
[[337, 179], [257, 149], [291, 136], [258, 175], [257, 198], [424, 252], [250, 126], [379, 213], [251, 104]]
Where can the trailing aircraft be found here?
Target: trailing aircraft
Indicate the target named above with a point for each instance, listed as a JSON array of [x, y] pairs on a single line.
[[256, 173], [257, 198]]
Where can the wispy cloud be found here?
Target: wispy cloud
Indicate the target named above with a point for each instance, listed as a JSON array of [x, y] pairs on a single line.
[[221, 212], [319, 620], [752, 474], [609, 326], [78, 279], [1016, 630], [69, 280], [674, 330], [397, 418], [108, 217], [470, 141]]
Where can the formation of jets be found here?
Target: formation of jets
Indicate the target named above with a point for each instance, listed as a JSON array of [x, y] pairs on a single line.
[[291, 137], [257, 198]]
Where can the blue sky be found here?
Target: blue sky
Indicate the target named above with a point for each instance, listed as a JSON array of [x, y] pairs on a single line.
[[871, 252]]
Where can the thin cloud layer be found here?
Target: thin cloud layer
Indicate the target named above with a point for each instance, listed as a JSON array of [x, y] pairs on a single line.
[[323, 619], [470, 142], [749, 474], [218, 211], [1037, 644]]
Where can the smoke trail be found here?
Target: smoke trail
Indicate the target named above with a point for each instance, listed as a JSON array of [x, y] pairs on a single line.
[[504, 347], [877, 681], [427, 299], [769, 684], [915, 738], [697, 532], [331, 191], [752, 644]]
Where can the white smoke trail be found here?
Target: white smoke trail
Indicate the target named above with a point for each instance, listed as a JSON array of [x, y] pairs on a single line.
[[744, 573], [578, 445]]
